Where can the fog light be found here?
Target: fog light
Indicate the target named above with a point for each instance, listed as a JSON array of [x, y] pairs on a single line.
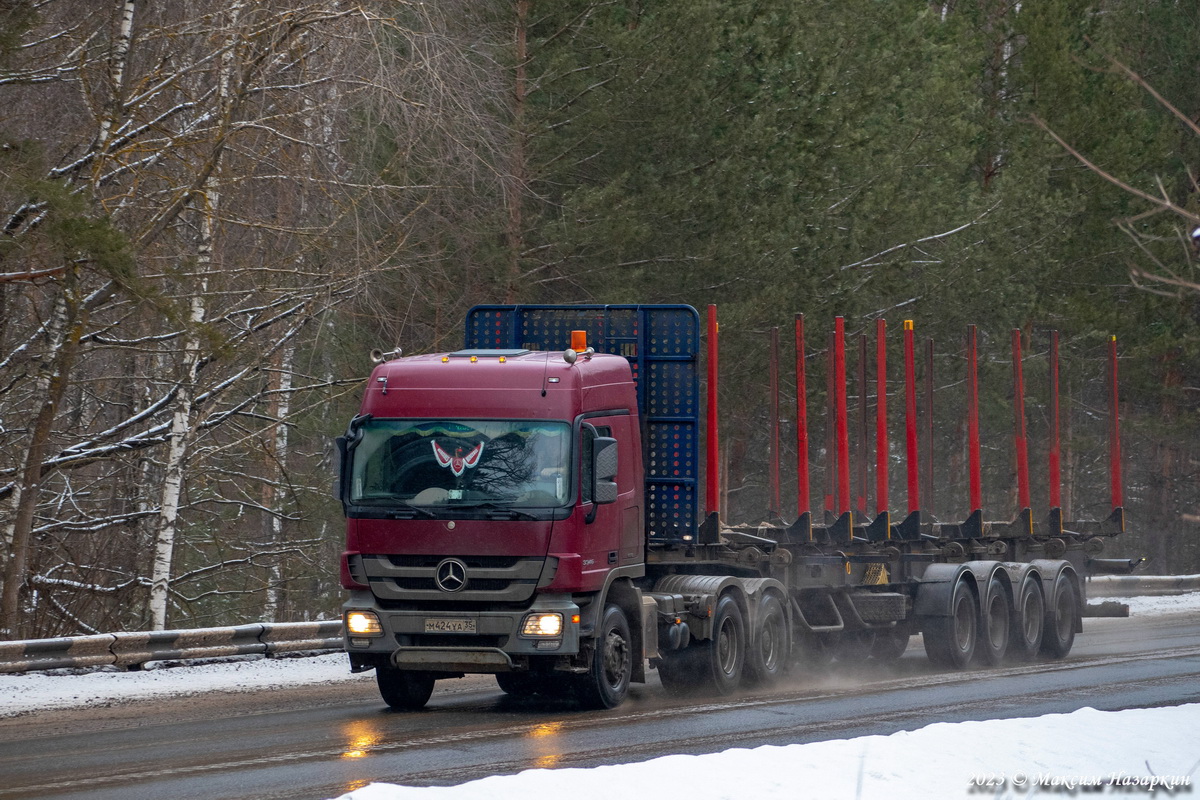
[[363, 623], [548, 644], [542, 625]]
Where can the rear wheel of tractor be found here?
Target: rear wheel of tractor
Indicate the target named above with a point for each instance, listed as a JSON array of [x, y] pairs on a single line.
[[767, 658], [1059, 635], [995, 621], [724, 655], [1029, 622], [950, 641], [404, 690], [607, 681]]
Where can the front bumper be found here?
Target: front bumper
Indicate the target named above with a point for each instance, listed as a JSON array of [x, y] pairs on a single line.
[[420, 639]]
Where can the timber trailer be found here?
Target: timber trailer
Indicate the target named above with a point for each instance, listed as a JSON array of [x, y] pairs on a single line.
[[533, 512]]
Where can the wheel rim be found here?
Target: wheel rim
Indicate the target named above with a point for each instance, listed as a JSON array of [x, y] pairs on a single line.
[[727, 648], [1032, 616], [964, 625], [616, 657], [771, 642], [997, 621]]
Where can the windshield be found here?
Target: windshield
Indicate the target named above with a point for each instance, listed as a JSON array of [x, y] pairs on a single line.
[[448, 463]]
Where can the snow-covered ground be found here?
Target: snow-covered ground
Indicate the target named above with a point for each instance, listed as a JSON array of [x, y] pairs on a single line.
[[1136, 752]]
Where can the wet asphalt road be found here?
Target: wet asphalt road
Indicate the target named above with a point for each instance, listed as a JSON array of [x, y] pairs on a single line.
[[320, 742]]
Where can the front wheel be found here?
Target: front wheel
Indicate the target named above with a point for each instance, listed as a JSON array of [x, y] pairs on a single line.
[[404, 690], [607, 681]]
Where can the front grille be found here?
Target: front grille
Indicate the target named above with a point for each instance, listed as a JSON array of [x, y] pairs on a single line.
[[489, 579], [428, 585]]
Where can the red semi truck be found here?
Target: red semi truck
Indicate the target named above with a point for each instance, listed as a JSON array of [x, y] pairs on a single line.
[[528, 507]]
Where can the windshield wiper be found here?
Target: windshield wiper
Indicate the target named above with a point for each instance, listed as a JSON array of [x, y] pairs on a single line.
[[396, 510], [509, 510]]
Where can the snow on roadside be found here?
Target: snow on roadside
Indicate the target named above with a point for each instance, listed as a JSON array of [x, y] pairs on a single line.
[[1137, 753], [34, 691]]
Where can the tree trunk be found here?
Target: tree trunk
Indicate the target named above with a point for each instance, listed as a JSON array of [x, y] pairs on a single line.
[[63, 333]]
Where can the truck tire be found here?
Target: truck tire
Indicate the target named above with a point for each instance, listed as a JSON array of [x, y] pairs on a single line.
[[768, 657], [854, 647], [1028, 623], [607, 681], [890, 643], [814, 651], [724, 655], [950, 640], [1061, 610], [404, 690], [995, 624]]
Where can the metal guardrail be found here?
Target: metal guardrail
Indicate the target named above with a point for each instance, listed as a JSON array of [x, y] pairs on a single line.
[[133, 650], [1141, 585]]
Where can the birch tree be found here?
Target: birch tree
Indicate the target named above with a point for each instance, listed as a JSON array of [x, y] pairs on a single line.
[[183, 212]]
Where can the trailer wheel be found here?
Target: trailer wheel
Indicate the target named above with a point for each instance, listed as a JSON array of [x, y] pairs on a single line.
[[767, 659], [815, 650], [1029, 622], [607, 681], [995, 622], [404, 690], [890, 643], [950, 641], [854, 647], [1059, 635]]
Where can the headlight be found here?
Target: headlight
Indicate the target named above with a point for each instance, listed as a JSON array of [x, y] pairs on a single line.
[[542, 625], [363, 623]]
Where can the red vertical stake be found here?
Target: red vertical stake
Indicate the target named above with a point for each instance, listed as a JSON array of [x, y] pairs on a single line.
[[910, 419], [842, 425], [1114, 433], [713, 465], [803, 502], [831, 471], [1019, 439], [929, 425], [881, 431], [776, 509], [1055, 476], [976, 485], [863, 457]]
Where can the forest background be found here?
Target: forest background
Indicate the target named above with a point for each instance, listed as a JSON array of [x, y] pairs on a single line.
[[212, 212]]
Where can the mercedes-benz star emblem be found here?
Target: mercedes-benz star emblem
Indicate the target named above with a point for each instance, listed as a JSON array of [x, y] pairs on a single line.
[[451, 575]]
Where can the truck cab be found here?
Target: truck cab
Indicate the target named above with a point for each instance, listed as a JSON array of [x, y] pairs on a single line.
[[492, 497]]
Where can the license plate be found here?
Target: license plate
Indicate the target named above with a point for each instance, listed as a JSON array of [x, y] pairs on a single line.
[[447, 625]]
